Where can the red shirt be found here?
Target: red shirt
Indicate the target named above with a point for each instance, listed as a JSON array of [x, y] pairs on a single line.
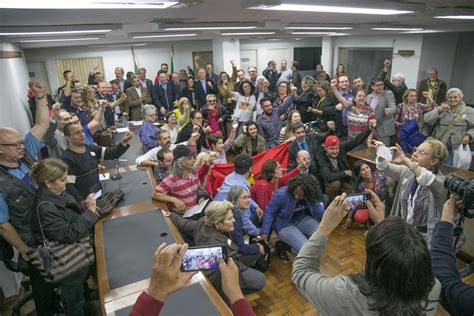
[[262, 191]]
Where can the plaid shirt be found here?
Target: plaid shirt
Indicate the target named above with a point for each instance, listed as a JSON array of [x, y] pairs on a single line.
[[160, 174], [405, 113]]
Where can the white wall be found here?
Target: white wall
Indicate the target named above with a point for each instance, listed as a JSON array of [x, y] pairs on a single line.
[[438, 50], [407, 65], [463, 69], [150, 57], [263, 46]]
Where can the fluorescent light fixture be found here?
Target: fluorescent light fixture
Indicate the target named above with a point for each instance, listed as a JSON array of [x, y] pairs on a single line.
[[423, 31], [165, 35], [396, 29], [61, 40], [198, 28], [54, 32], [456, 17], [318, 28], [249, 33], [86, 4], [312, 33], [330, 9]]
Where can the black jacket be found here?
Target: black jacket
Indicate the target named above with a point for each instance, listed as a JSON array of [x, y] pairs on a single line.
[[326, 169], [186, 133], [62, 220], [302, 103]]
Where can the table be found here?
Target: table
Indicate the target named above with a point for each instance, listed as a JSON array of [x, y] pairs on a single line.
[[368, 155], [121, 278]]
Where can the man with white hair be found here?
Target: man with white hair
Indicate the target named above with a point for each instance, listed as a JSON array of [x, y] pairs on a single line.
[[17, 192], [435, 87], [396, 85]]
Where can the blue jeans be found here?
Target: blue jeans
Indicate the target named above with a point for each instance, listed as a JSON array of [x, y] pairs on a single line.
[[296, 234]]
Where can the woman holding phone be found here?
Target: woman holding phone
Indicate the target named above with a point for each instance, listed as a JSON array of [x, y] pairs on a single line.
[[364, 178], [215, 228]]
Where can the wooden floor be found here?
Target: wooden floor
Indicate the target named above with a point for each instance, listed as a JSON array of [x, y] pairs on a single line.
[[344, 254]]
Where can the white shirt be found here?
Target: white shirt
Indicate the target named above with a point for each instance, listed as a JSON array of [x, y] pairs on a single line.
[[151, 154]]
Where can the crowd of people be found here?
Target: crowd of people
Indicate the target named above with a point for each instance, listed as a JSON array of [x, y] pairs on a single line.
[[196, 121]]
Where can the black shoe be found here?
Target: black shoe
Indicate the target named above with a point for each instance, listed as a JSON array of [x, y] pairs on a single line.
[[280, 250]]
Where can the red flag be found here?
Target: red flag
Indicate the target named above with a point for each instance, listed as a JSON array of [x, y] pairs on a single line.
[[220, 171]]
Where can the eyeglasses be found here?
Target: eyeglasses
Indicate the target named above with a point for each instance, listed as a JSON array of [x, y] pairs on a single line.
[[420, 151], [198, 117], [16, 145], [211, 101]]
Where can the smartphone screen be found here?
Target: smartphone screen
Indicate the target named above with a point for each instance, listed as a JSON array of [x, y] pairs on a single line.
[[357, 201], [203, 258]]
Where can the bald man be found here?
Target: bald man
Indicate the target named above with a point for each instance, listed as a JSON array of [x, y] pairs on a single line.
[[17, 192]]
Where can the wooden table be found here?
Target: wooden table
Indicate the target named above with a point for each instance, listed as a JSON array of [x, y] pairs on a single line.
[[368, 155], [113, 300]]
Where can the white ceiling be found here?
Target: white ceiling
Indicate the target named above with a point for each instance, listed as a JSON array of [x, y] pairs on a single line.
[[129, 22]]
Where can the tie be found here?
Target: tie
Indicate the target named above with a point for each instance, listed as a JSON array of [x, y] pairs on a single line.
[[303, 146], [203, 83], [166, 96]]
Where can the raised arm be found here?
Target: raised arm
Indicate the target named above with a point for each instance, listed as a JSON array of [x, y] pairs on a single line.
[[42, 112], [338, 95]]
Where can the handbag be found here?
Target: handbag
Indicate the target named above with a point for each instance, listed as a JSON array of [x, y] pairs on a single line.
[[462, 157], [57, 261]]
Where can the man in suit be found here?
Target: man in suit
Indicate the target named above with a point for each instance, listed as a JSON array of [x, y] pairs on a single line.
[[383, 103], [203, 87], [210, 75], [165, 93], [436, 88], [144, 82], [311, 143], [123, 83], [136, 97]]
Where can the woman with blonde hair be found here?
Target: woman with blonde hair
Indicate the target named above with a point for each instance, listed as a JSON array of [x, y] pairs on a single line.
[[215, 228], [182, 110], [420, 193], [60, 218]]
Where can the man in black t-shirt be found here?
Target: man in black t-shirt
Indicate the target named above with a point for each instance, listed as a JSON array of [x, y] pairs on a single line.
[[82, 159]]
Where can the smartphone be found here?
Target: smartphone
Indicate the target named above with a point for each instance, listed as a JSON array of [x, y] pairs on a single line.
[[203, 258], [357, 201]]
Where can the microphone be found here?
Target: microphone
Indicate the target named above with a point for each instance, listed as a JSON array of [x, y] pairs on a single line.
[[116, 176]]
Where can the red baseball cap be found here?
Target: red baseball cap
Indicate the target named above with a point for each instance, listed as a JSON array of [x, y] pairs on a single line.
[[331, 141]]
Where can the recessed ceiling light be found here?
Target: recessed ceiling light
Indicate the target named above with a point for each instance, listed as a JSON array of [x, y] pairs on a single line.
[[209, 28], [165, 35], [62, 40], [318, 28], [85, 4], [457, 17], [249, 33], [54, 32], [396, 29], [330, 9]]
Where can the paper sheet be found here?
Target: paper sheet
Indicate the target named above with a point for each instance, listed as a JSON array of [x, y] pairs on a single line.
[[122, 130], [104, 176], [196, 209], [136, 123]]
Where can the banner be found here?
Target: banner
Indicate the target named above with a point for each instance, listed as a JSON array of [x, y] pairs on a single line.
[[220, 171]]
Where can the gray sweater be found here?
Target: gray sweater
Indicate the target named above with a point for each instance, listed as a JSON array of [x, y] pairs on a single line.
[[337, 295]]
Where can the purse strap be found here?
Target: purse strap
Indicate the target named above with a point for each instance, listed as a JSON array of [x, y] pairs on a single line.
[[45, 241]]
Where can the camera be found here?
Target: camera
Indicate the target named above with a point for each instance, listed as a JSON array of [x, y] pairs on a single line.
[[465, 190]]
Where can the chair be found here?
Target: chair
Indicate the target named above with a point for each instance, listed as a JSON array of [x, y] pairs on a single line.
[[6, 255]]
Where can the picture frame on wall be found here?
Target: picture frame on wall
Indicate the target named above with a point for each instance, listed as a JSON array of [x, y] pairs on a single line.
[[200, 59]]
